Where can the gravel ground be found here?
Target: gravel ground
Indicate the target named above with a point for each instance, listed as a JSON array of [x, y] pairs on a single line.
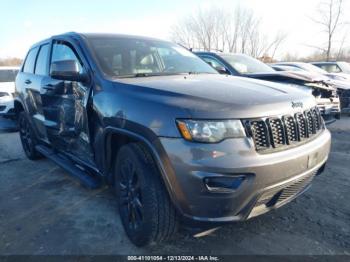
[[45, 211]]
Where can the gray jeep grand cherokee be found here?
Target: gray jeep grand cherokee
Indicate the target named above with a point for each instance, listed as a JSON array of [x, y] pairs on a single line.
[[176, 140]]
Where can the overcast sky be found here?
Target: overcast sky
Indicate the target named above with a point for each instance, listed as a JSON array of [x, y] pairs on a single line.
[[23, 22]]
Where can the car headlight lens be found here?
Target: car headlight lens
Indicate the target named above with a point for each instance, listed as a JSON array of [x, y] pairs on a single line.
[[210, 131]]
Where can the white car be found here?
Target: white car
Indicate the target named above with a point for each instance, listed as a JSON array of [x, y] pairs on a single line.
[[7, 90]]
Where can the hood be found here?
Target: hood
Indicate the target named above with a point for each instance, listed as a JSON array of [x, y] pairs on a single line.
[[219, 96], [300, 75], [339, 76], [340, 84], [322, 79], [296, 77], [306, 76], [8, 87]]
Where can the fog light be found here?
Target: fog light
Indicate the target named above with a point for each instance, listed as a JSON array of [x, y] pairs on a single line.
[[223, 183]]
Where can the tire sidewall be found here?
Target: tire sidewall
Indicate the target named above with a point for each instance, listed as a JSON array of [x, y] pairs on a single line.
[[144, 233], [29, 150]]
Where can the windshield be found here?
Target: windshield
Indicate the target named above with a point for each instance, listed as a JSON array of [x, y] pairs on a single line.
[[133, 57], [244, 64], [8, 75], [312, 68]]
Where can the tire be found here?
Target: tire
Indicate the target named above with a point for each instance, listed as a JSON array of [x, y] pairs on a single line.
[[27, 136], [145, 209]]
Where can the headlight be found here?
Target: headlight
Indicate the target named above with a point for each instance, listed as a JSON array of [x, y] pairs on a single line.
[[210, 131]]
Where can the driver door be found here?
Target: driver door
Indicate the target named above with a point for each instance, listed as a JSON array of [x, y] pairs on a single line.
[[65, 107]]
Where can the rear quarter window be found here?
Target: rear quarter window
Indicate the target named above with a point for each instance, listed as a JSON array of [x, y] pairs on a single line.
[[30, 61]]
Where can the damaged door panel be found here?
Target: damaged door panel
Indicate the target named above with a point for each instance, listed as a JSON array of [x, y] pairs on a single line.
[[64, 107]]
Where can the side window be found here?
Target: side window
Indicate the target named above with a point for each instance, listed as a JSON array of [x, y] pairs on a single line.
[[41, 61], [213, 62], [62, 51], [336, 69], [331, 68], [30, 61]]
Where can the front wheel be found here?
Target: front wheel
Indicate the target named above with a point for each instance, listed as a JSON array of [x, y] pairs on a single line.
[[27, 137], [144, 205]]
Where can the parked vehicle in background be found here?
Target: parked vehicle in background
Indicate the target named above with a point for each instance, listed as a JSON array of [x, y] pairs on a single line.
[[340, 68], [279, 67], [339, 82], [7, 90], [245, 66], [311, 68], [176, 140]]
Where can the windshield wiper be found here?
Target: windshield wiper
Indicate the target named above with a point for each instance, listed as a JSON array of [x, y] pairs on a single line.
[[162, 74], [138, 75], [198, 73]]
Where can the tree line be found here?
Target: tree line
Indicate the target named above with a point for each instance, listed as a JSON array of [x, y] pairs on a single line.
[[240, 31], [219, 29], [11, 61]]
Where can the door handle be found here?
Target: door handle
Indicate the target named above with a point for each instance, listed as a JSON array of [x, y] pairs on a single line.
[[27, 82]]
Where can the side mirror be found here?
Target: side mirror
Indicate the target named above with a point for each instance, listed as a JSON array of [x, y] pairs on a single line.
[[66, 70], [221, 70]]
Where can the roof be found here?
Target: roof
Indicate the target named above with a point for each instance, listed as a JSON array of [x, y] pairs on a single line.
[[97, 35], [111, 35], [290, 63], [326, 63]]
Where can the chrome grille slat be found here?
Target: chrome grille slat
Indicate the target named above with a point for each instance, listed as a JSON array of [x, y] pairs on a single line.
[[310, 122], [278, 137], [279, 132], [302, 126], [259, 128], [291, 129]]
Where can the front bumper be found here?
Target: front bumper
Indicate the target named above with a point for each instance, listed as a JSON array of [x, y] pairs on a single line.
[[345, 101], [266, 175], [329, 109], [6, 105]]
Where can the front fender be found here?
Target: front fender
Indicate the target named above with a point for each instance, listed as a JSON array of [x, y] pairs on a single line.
[[154, 147]]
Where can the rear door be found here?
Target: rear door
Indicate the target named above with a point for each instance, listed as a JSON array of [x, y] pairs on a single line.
[[65, 106], [29, 85]]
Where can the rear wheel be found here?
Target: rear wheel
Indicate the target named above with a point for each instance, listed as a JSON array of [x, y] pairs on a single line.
[[144, 205], [27, 137]]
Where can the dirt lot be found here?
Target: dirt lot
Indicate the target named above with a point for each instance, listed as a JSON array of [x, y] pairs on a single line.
[[45, 211]]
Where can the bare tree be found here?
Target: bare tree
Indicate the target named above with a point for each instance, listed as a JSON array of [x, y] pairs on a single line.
[[220, 29], [202, 30], [330, 19]]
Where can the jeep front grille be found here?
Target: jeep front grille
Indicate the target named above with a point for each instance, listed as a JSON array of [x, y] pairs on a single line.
[[280, 132]]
